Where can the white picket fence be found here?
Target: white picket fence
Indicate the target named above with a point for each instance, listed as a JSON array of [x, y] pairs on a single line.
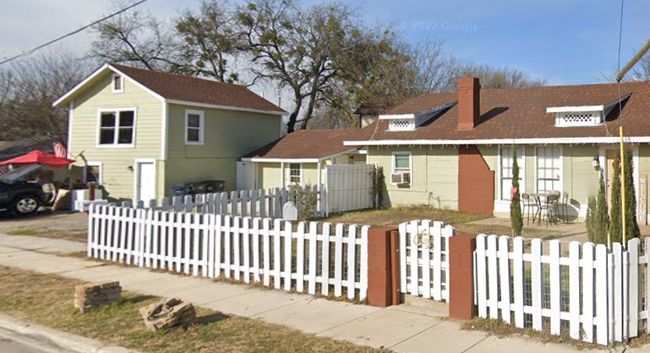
[[350, 187], [589, 292], [424, 260], [246, 203], [333, 258]]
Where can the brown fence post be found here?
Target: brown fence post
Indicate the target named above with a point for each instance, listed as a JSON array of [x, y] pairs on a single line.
[[461, 276], [383, 267]]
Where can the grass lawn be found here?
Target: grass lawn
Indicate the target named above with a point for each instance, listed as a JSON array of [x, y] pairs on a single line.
[[47, 300], [79, 235], [396, 215]]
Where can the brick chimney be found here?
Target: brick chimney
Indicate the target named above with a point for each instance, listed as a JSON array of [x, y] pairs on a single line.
[[469, 103]]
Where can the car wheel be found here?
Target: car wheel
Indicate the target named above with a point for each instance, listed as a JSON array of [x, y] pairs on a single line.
[[26, 205]]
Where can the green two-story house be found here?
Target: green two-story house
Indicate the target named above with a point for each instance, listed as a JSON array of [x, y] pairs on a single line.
[[139, 132]]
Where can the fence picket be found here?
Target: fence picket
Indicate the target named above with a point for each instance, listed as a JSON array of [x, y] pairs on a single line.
[[602, 311], [247, 250], [588, 293], [325, 263], [481, 274], [256, 249], [634, 294], [618, 300], [555, 286], [277, 254], [493, 288], [574, 290], [300, 257], [402, 265], [518, 280], [338, 260], [236, 237], [266, 253], [536, 282], [363, 269], [352, 260], [288, 241], [414, 238], [313, 257], [504, 272]]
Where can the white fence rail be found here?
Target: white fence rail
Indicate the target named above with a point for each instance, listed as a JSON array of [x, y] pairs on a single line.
[[246, 203], [332, 260], [424, 260], [350, 187], [588, 292]]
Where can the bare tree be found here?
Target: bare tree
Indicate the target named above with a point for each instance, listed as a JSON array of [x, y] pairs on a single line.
[[139, 39], [499, 77], [27, 90], [641, 71]]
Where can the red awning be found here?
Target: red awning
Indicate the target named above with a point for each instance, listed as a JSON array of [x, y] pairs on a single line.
[[39, 157]]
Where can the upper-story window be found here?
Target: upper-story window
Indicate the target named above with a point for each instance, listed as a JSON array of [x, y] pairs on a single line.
[[194, 127], [117, 83], [117, 127]]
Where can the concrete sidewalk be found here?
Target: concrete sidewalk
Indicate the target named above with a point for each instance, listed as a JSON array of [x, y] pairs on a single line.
[[403, 328]]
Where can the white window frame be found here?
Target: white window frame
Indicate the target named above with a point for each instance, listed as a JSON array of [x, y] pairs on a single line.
[[522, 173], [117, 120], [201, 128], [299, 175], [410, 169], [121, 81], [93, 164], [535, 171]]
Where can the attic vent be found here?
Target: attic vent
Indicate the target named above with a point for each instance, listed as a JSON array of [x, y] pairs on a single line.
[[579, 118], [401, 124]]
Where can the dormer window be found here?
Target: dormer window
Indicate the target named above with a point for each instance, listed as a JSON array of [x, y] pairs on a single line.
[[409, 122], [117, 83], [587, 115]]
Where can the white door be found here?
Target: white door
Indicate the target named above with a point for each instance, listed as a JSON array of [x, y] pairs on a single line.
[[246, 175], [146, 181]]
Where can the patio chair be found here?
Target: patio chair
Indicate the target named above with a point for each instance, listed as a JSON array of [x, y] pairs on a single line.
[[530, 205], [550, 208], [564, 207]]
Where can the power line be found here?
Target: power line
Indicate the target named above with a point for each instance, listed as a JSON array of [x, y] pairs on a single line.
[[31, 51]]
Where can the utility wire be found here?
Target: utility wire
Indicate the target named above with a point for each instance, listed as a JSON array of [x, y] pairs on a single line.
[[31, 51]]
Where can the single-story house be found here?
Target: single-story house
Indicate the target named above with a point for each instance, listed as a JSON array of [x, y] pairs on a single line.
[[299, 158], [455, 150], [139, 132]]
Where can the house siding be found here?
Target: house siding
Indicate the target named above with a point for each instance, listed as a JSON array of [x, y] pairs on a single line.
[[228, 135], [117, 179], [270, 174], [434, 176]]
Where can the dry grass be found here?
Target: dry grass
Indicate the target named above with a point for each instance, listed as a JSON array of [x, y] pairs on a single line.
[[79, 235], [501, 329], [396, 215], [47, 300]]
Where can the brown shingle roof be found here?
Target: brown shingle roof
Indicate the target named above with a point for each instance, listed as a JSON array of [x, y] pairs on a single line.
[[197, 90], [309, 144], [521, 113]]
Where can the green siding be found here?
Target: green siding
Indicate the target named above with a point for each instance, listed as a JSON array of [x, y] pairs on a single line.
[[270, 174], [118, 180], [228, 135], [434, 176]]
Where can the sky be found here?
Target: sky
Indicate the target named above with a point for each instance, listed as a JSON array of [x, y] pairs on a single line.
[[566, 41]]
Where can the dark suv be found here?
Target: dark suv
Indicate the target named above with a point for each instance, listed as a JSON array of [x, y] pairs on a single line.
[[18, 196]]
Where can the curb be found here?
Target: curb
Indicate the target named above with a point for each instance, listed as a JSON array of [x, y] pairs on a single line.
[[51, 340]]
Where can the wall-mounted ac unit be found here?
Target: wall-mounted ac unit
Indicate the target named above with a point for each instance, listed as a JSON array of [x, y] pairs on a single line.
[[400, 178]]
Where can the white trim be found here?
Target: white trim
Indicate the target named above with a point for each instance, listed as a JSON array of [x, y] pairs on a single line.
[[522, 174], [117, 118], [517, 141], [97, 73], [79, 85], [402, 153], [70, 118], [93, 164], [113, 77], [397, 116], [281, 160], [136, 176], [635, 175], [282, 176], [298, 160], [575, 109], [140, 85], [201, 115], [561, 190], [224, 107], [165, 131]]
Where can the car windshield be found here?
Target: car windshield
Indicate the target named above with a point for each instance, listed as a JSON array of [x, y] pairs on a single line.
[[17, 173]]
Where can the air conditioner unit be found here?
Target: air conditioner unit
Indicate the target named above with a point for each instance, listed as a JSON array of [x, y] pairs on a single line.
[[400, 178]]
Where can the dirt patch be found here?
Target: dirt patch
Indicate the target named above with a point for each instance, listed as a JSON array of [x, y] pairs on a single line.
[[47, 300], [49, 224]]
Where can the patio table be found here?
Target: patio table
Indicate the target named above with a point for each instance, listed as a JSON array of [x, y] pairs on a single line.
[[537, 196]]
